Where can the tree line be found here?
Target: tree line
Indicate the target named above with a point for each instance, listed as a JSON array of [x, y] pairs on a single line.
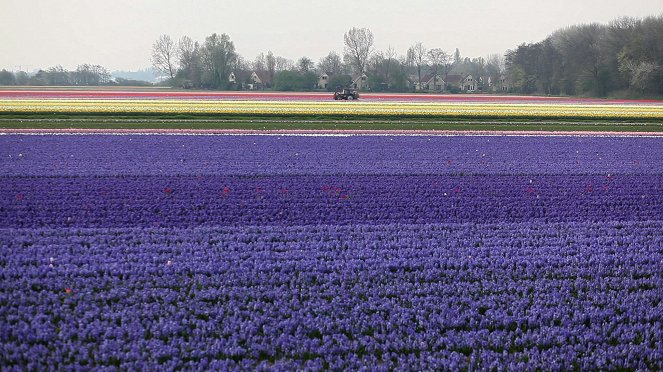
[[85, 74], [624, 57], [214, 62]]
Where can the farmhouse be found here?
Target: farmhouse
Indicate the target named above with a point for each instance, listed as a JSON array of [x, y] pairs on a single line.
[[469, 84], [428, 82], [323, 81], [360, 82], [502, 84], [453, 81], [252, 80]]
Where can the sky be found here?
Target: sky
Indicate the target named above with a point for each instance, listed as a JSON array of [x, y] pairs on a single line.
[[119, 34]]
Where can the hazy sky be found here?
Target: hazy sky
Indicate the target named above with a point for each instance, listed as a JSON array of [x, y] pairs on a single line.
[[118, 34]]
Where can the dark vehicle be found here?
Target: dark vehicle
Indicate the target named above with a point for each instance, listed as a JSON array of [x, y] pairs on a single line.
[[346, 94]]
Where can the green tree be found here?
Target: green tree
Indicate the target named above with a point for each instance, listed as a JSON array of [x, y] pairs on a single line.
[[218, 56], [339, 81], [190, 64], [416, 56], [270, 64], [305, 64], [331, 64], [7, 78], [57, 76], [437, 59], [294, 80]]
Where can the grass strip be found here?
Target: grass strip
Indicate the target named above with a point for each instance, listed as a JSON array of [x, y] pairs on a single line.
[[317, 124]]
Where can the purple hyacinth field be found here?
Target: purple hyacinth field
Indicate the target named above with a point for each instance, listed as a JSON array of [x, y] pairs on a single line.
[[377, 252]]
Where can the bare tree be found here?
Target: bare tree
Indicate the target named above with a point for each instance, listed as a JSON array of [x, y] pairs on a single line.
[[495, 67], [186, 48], [416, 55], [438, 59], [457, 57], [496, 61], [240, 64], [270, 62], [283, 64], [305, 64], [164, 54], [331, 64], [260, 63], [358, 46], [189, 57], [389, 58], [375, 63]]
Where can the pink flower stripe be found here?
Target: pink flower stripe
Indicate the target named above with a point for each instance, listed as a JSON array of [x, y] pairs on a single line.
[[304, 96]]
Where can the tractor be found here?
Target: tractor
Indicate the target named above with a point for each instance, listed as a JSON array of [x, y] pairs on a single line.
[[345, 94]]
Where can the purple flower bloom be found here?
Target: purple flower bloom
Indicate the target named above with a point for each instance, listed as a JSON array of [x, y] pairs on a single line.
[[360, 253]]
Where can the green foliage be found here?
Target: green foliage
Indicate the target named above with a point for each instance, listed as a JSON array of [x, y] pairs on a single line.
[[7, 78], [341, 80], [218, 57], [310, 123], [132, 82], [86, 74], [592, 60], [294, 80], [377, 83], [398, 80]]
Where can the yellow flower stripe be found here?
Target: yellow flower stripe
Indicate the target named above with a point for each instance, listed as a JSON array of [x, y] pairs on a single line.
[[386, 109]]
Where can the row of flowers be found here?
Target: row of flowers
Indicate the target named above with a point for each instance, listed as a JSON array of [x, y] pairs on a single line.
[[345, 253], [387, 109], [396, 296], [303, 200], [302, 96], [140, 155]]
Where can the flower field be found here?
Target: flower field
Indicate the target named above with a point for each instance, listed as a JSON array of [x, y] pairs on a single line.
[[233, 104], [169, 94], [330, 252], [336, 109]]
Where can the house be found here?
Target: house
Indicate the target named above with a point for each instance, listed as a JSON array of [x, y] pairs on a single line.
[[360, 82], [413, 81], [248, 80], [469, 84], [258, 80], [435, 82], [428, 82], [323, 81], [502, 84], [238, 78], [454, 81]]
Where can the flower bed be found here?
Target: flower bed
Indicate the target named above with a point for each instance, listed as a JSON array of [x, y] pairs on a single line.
[[383, 252], [374, 109]]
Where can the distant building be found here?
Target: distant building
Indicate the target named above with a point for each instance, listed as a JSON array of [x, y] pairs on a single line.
[[257, 81], [248, 80], [238, 78], [360, 82], [503, 84], [428, 82], [323, 81], [469, 84], [453, 81]]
